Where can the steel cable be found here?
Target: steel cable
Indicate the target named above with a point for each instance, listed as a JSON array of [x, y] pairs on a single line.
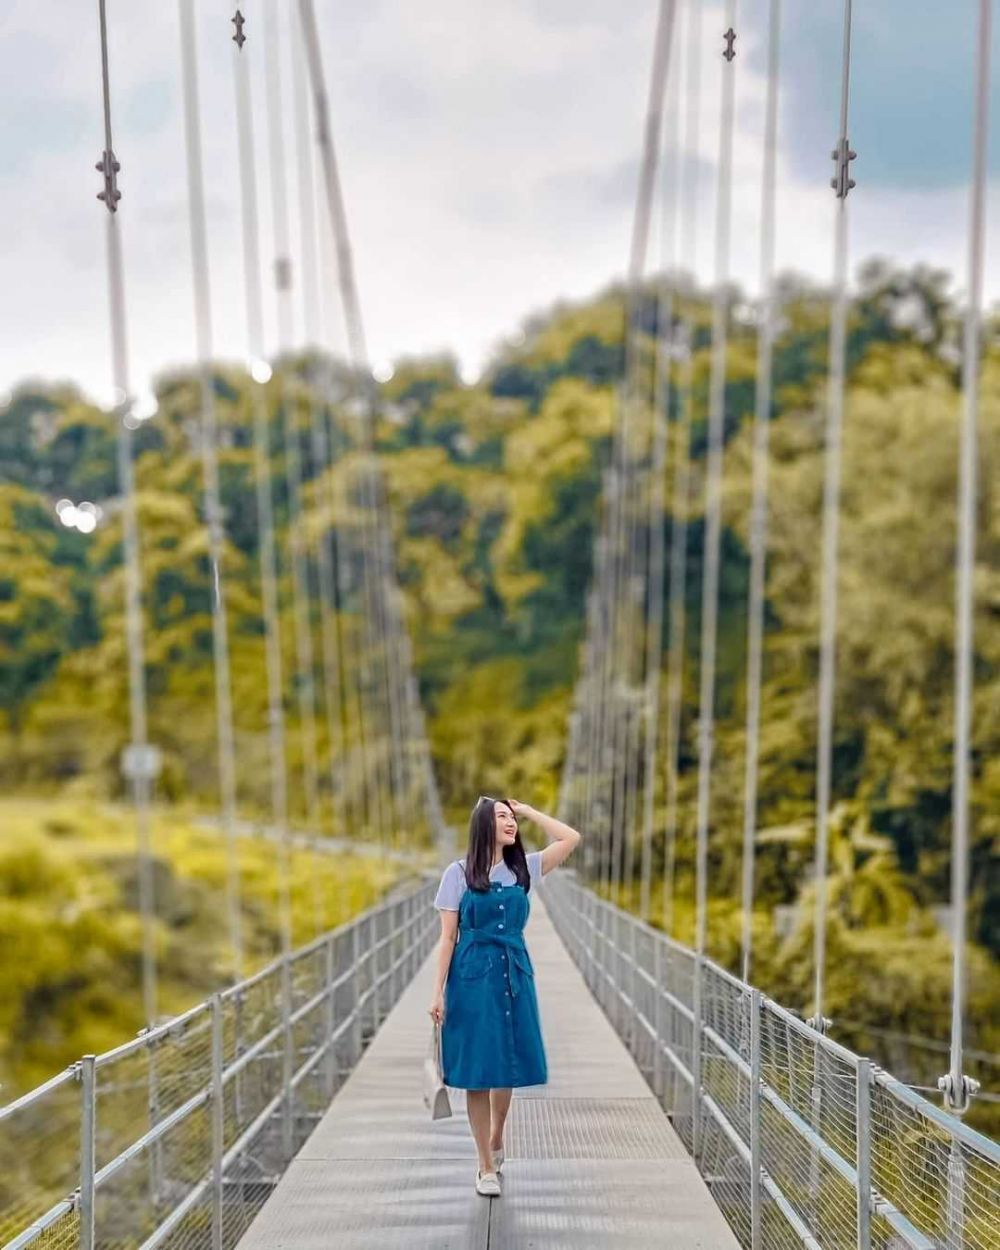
[[759, 504]]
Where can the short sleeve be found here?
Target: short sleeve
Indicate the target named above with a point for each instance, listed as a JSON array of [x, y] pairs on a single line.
[[451, 889], [534, 859]]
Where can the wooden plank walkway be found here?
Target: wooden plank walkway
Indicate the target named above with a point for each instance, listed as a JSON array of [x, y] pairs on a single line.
[[591, 1159]]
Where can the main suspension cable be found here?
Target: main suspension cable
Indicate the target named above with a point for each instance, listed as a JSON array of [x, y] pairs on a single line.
[[759, 504], [139, 762]]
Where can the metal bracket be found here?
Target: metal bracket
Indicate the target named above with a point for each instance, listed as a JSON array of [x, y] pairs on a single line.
[[108, 167], [957, 1100], [239, 38], [730, 38], [842, 155], [820, 1023]]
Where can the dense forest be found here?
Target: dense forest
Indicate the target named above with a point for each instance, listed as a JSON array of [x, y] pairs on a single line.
[[495, 496]]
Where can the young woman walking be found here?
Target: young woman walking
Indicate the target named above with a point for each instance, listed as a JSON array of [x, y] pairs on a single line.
[[484, 994]]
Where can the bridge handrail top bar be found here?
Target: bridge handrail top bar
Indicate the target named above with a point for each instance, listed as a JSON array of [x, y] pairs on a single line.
[[69, 1074], [950, 1124]]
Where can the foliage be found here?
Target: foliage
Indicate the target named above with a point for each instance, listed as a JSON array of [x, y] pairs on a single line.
[[495, 494]]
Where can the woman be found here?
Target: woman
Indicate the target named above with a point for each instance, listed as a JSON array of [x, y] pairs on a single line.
[[491, 1038]]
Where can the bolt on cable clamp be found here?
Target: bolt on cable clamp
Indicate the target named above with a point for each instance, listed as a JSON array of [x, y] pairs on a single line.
[[730, 38], [108, 167], [957, 1100], [820, 1023], [842, 155]]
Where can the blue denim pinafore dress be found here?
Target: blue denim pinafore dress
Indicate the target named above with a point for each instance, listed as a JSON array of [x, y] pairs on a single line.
[[492, 1037]]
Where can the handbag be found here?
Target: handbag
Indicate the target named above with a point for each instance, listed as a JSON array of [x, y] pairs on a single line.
[[435, 1092]]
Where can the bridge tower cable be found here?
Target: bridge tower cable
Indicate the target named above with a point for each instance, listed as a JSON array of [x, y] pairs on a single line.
[[358, 357], [625, 589], [298, 556], [759, 488], [138, 758], [259, 373], [842, 184], [321, 401], [210, 467], [956, 1086], [681, 479], [712, 540]]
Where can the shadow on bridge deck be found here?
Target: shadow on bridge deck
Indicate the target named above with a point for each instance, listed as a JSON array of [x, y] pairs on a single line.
[[591, 1158]]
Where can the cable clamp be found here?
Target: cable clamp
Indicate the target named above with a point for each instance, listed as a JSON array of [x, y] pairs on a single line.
[[730, 38], [820, 1023], [957, 1100], [108, 167], [842, 155], [239, 38]]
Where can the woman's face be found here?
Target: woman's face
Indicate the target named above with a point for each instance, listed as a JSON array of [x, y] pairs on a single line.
[[506, 825]]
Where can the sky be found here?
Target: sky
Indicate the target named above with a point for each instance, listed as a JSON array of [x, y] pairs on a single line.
[[489, 154]]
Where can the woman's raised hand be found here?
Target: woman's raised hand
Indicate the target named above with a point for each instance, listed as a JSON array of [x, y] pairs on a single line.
[[521, 809]]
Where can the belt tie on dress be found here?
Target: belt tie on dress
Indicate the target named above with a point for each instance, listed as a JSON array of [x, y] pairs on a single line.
[[515, 946]]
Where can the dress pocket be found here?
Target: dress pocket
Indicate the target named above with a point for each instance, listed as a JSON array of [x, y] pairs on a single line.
[[475, 962], [523, 961]]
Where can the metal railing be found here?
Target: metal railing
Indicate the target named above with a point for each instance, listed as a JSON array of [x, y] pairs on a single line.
[[177, 1138], [803, 1143]]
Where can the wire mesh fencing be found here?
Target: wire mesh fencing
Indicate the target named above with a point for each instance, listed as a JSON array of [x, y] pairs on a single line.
[[177, 1138], [802, 1142]]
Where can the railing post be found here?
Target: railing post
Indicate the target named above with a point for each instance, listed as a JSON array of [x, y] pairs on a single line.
[[755, 1126], [956, 1197], [696, 1041], [670, 1078], [658, 1020], [864, 1153], [88, 1149], [218, 1107], [287, 1134], [330, 1058], [633, 1022], [356, 982]]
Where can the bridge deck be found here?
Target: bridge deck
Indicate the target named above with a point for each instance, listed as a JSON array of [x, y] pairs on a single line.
[[591, 1159]]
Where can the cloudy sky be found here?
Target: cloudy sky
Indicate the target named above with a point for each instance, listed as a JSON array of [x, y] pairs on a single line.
[[489, 153]]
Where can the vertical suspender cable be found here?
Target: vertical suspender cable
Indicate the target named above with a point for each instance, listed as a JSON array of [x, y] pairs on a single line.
[[139, 774], [831, 517], [758, 511], [262, 473], [658, 467], [956, 1085], [210, 467], [681, 484], [713, 526], [299, 560]]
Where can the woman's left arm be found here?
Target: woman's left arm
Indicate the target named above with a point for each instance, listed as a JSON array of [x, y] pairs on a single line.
[[566, 838]]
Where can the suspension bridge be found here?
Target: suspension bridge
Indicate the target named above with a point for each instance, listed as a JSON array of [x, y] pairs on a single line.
[[686, 1108]]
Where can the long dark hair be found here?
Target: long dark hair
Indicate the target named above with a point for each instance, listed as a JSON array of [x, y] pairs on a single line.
[[482, 844]]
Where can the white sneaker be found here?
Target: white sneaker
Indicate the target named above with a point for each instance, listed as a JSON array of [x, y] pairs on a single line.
[[487, 1184], [498, 1159]]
